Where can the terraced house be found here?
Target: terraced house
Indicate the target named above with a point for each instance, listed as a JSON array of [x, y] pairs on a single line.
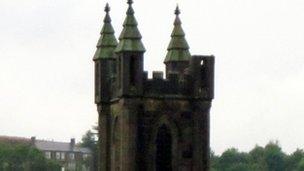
[[68, 154]]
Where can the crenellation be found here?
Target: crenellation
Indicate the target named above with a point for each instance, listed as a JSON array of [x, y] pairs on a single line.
[[145, 75], [158, 75], [153, 123], [201, 76], [173, 77]]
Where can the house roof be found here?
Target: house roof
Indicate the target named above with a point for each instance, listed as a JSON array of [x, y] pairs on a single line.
[[45, 145], [59, 146]]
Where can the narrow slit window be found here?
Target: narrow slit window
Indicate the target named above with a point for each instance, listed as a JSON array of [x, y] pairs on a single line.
[[97, 79], [132, 70]]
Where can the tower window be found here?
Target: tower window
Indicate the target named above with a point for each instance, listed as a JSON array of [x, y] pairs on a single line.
[[132, 70], [119, 65], [97, 79]]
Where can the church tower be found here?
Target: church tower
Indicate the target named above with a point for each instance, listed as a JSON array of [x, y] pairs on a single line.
[[153, 124]]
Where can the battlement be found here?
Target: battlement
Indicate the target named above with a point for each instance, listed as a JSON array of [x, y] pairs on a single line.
[[195, 81], [159, 75], [119, 66], [159, 86]]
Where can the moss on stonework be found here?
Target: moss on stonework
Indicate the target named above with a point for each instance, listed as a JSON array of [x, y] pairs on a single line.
[[178, 49], [107, 41], [130, 37], [130, 45]]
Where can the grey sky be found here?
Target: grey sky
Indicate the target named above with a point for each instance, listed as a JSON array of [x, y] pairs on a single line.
[[46, 78]]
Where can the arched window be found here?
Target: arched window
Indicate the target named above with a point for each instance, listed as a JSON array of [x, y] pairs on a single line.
[[163, 149]]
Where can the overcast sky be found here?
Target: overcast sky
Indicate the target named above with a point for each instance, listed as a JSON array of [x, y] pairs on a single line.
[[46, 68]]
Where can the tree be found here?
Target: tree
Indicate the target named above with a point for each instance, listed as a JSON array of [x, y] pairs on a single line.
[[24, 157], [268, 158], [233, 160], [89, 140], [293, 160], [300, 166], [257, 159], [214, 161], [274, 157]]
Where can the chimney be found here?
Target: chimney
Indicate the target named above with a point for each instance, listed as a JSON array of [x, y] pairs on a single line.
[[33, 140], [72, 143]]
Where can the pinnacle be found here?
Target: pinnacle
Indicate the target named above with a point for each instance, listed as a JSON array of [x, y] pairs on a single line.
[[177, 10], [107, 41], [130, 10], [178, 49], [107, 8], [130, 37], [107, 18], [130, 2], [177, 19]]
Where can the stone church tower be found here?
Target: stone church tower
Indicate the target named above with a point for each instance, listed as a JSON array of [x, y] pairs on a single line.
[[157, 124]]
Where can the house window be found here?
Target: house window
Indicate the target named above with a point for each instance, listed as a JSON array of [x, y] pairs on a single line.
[[57, 155], [85, 156], [72, 156], [62, 156], [48, 155]]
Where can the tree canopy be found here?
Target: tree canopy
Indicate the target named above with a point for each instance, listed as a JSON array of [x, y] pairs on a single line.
[[268, 158], [24, 157], [89, 140]]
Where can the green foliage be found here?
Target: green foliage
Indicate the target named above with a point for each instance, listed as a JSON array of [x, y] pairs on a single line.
[[274, 157], [232, 160], [268, 158], [89, 140], [294, 160], [300, 166], [15, 157]]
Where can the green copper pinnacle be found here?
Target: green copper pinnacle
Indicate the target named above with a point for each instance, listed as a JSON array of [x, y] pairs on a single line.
[[178, 49], [130, 37], [107, 41]]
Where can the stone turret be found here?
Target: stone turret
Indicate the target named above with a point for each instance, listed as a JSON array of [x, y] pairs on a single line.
[[178, 55], [130, 51], [130, 37], [105, 61], [107, 41]]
